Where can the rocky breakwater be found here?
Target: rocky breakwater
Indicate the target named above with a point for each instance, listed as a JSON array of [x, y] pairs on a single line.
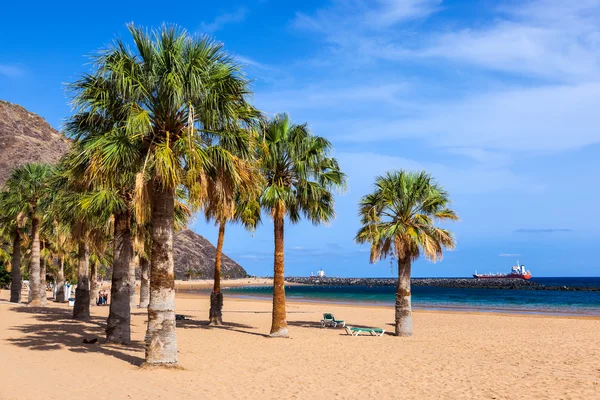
[[515, 284]]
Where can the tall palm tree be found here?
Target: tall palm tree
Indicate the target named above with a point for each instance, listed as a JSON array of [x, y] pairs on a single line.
[[114, 205], [57, 232], [244, 210], [30, 181], [11, 224], [399, 219], [231, 200], [177, 90], [86, 227], [102, 143], [300, 177]]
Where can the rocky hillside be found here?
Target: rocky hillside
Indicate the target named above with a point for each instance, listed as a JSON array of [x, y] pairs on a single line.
[[194, 253], [26, 137]]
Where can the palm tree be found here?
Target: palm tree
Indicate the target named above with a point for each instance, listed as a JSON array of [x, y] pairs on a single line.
[[57, 233], [398, 219], [245, 211], [177, 90], [30, 181], [300, 177], [86, 227], [231, 200], [11, 224]]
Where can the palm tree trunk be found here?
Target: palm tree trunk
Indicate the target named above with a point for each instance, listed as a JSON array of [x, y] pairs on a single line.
[[161, 338], [81, 310], [118, 325], [403, 301], [93, 284], [279, 323], [34, 265], [131, 282], [43, 294], [15, 285], [145, 283], [60, 284], [216, 297]]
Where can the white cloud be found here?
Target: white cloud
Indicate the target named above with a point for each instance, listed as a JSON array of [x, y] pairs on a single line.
[[221, 20], [319, 97], [363, 167], [11, 71], [253, 63], [552, 39], [508, 255], [371, 15], [543, 119]]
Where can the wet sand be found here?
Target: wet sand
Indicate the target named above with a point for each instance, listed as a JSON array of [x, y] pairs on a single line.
[[452, 355]]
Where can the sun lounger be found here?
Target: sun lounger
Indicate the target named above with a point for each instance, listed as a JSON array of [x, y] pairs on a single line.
[[329, 320], [353, 331]]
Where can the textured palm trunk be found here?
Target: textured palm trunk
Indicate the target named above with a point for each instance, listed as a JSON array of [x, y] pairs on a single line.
[[60, 282], [81, 310], [131, 281], [16, 285], [118, 325], [93, 284], [161, 338], [145, 282], [403, 300], [43, 294], [34, 265], [279, 324], [216, 297]]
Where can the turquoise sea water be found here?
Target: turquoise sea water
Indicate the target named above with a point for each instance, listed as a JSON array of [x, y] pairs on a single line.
[[502, 300]]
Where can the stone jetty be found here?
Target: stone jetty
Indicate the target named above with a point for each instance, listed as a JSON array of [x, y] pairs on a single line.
[[491, 283]]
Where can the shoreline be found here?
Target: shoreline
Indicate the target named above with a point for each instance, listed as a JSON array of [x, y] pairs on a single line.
[[196, 294]]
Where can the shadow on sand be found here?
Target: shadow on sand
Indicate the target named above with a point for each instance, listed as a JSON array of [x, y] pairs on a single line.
[[57, 330], [228, 326]]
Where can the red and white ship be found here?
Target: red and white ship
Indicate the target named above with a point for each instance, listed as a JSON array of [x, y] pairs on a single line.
[[517, 272]]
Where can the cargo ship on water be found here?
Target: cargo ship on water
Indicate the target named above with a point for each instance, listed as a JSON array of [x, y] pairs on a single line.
[[517, 272]]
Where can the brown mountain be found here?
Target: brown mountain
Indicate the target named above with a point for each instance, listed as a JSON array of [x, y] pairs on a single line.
[[26, 137], [193, 252]]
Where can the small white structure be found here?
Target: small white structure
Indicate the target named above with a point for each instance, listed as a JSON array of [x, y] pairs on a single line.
[[321, 273]]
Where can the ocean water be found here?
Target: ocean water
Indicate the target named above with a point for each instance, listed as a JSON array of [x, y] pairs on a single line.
[[467, 299]]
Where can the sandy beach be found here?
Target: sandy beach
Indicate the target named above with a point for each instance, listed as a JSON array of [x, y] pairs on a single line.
[[451, 355]]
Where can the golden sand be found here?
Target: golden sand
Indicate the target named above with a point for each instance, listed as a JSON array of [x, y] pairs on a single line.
[[451, 356]]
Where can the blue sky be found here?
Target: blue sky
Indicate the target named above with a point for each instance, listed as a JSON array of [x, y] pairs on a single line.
[[498, 100]]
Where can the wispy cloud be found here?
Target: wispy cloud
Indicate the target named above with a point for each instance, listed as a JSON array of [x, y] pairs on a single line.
[[253, 63], [317, 97], [221, 20], [11, 71], [548, 38], [508, 255], [543, 38], [364, 15], [545, 230], [533, 119], [362, 167]]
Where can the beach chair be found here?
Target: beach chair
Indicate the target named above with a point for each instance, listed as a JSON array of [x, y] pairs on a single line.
[[353, 331], [329, 320]]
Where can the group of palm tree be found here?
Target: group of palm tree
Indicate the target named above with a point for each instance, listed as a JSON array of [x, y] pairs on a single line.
[[161, 130]]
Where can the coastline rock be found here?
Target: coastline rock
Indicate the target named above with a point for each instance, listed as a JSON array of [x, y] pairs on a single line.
[[514, 284]]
